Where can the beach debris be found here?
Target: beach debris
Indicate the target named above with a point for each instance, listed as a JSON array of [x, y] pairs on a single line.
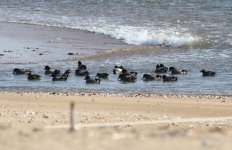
[[72, 117], [45, 116]]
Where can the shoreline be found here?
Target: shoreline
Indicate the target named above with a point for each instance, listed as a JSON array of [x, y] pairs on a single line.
[[48, 42], [130, 95]]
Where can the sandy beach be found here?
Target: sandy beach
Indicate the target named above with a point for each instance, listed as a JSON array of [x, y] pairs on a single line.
[[41, 121]]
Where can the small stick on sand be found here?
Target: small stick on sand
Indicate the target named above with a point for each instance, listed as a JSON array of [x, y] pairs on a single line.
[[72, 116]]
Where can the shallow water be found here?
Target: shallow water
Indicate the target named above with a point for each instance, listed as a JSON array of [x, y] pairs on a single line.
[[192, 83], [197, 33]]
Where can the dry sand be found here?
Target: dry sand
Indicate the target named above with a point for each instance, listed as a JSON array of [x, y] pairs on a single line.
[[41, 121]]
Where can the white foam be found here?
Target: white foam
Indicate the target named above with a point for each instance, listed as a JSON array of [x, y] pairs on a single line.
[[144, 35], [128, 34], [138, 36]]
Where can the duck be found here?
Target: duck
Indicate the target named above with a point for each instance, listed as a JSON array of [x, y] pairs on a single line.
[[126, 72], [82, 72], [31, 76], [56, 72], [102, 75], [161, 69], [173, 70], [67, 73], [208, 73], [89, 80], [18, 71], [169, 78], [118, 70], [81, 66], [48, 70], [149, 77], [128, 76], [63, 77]]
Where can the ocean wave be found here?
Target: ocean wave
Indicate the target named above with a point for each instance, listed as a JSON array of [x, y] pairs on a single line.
[[142, 36], [128, 34]]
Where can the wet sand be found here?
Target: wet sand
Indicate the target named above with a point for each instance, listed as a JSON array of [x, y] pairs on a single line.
[[41, 121], [24, 43]]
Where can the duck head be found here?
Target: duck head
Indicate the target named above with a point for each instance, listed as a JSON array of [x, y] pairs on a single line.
[[203, 70], [47, 68], [87, 77]]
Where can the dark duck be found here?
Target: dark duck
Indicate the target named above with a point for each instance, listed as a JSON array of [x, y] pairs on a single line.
[[151, 77], [173, 71], [208, 73], [169, 78], [56, 72], [31, 76], [67, 73], [18, 71], [161, 69], [81, 70], [81, 66], [128, 76], [62, 77], [49, 71], [90, 80]]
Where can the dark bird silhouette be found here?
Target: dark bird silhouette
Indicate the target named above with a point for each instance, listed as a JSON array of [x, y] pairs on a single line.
[[31, 76], [56, 72], [18, 71], [208, 73], [127, 76], [82, 72], [169, 78], [92, 81], [161, 69], [173, 70], [60, 78], [81, 66], [149, 77]]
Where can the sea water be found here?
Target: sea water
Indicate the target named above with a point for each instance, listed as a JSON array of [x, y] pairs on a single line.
[[197, 35]]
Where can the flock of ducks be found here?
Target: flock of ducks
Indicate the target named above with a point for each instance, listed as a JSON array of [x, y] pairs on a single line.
[[123, 74]]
